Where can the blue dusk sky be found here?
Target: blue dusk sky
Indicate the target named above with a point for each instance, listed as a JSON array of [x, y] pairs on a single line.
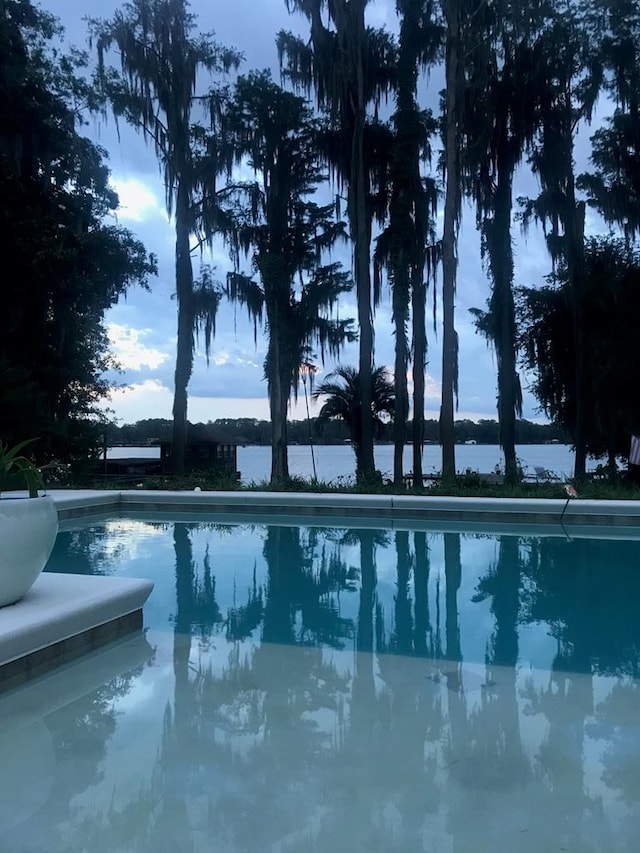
[[142, 327]]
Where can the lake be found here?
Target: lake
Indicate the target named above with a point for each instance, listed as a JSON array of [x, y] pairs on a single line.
[[336, 462]]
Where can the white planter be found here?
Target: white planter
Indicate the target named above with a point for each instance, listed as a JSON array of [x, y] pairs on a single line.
[[28, 528]]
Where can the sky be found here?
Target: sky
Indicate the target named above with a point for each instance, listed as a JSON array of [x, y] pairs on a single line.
[[142, 327]]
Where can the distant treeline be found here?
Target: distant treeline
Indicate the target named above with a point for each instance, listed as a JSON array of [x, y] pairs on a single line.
[[249, 431]]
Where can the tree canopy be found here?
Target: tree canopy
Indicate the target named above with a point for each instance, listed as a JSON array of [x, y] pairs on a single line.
[[156, 90], [612, 359], [66, 259], [286, 235]]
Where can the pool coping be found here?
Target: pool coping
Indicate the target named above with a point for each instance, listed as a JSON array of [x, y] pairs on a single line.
[[76, 504]]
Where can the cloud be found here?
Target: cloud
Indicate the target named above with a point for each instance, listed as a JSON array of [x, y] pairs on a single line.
[[138, 203], [148, 399], [224, 357], [432, 387], [381, 13], [129, 350], [153, 399]]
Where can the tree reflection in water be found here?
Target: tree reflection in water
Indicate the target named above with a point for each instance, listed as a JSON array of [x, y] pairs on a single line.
[[64, 749], [305, 717]]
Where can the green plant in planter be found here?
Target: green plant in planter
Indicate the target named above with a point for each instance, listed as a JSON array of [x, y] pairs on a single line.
[[13, 467]]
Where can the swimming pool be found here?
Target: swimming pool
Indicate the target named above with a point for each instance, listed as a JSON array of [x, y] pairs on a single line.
[[322, 689]]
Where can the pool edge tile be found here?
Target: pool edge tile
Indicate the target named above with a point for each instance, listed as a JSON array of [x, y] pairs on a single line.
[[79, 504]]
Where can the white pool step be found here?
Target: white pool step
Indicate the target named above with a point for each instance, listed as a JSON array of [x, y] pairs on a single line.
[[64, 616]]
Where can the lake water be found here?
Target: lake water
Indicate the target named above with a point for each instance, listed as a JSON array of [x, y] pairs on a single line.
[[337, 462]]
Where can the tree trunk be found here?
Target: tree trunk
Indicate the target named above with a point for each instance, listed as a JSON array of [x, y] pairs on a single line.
[[357, 453], [503, 310], [279, 383], [449, 260], [400, 315], [365, 360], [419, 296], [184, 356], [409, 230], [400, 427], [362, 231], [574, 236]]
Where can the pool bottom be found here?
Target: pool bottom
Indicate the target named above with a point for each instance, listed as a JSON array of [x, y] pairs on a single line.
[[177, 742]]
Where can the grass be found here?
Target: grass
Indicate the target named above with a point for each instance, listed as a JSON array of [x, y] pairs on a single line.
[[591, 491], [466, 485]]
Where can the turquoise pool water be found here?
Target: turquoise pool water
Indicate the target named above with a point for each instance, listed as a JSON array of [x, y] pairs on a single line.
[[309, 689]]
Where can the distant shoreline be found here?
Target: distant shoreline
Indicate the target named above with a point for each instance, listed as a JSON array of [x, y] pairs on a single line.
[[156, 447], [248, 432]]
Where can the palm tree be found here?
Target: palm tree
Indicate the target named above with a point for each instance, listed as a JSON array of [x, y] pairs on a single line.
[[161, 59], [453, 101], [500, 122], [342, 389], [285, 235], [464, 20], [401, 247], [350, 66], [569, 80]]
